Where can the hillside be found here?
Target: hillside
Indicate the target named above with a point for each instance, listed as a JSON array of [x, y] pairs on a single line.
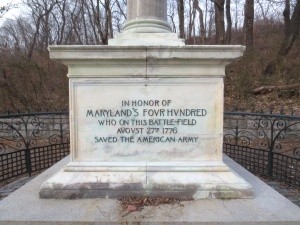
[[30, 81], [247, 74]]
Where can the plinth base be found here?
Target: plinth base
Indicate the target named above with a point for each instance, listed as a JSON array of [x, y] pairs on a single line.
[[24, 207], [212, 182], [146, 39]]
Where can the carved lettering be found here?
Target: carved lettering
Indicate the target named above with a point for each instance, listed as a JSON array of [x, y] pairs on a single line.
[[146, 121]]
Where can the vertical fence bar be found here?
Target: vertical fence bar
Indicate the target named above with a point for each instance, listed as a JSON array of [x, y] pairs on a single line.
[[61, 131], [28, 161], [271, 153], [270, 163]]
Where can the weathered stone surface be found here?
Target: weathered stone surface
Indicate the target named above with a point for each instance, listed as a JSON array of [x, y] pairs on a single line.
[[146, 121], [146, 62], [171, 143], [197, 185], [23, 207], [146, 39]]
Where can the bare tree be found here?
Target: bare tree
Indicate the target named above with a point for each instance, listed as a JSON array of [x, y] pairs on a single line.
[[201, 21], [103, 19], [206, 12], [120, 14], [180, 9], [108, 13], [261, 6], [191, 25], [287, 18], [287, 42], [219, 21], [121, 7], [248, 24], [60, 23], [40, 11], [211, 19], [171, 15], [24, 41], [229, 22]]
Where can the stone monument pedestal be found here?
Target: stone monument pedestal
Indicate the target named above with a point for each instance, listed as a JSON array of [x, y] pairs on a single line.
[[146, 121], [24, 207], [146, 115]]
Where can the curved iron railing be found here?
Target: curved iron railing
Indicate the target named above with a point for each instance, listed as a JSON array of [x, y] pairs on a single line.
[[25, 131], [22, 135], [276, 133], [265, 144]]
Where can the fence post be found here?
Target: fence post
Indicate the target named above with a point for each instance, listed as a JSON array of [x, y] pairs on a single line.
[[270, 163], [61, 130], [271, 153], [28, 161]]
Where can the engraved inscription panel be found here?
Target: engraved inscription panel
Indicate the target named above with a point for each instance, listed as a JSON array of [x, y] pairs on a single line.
[[147, 120]]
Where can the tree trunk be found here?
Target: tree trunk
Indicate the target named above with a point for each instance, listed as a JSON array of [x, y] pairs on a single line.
[[93, 18], [180, 8], [103, 32], [109, 18], [287, 19], [97, 16], [82, 10], [192, 12], [287, 42], [201, 21], [236, 21], [219, 21], [229, 22], [248, 24], [211, 18], [206, 12]]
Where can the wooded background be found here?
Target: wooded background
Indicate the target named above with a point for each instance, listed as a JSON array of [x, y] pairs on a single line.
[[267, 76]]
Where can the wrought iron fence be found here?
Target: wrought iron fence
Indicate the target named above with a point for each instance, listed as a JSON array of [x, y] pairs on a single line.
[[265, 144], [30, 161], [25, 131], [32, 142]]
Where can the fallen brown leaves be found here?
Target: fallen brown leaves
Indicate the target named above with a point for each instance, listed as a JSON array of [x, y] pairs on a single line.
[[131, 204], [263, 103]]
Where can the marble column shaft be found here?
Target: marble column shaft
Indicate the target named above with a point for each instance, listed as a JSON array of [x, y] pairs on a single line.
[[155, 9], [147, 16]]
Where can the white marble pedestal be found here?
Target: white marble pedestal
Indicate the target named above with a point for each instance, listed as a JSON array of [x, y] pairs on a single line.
[[146, 121]]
